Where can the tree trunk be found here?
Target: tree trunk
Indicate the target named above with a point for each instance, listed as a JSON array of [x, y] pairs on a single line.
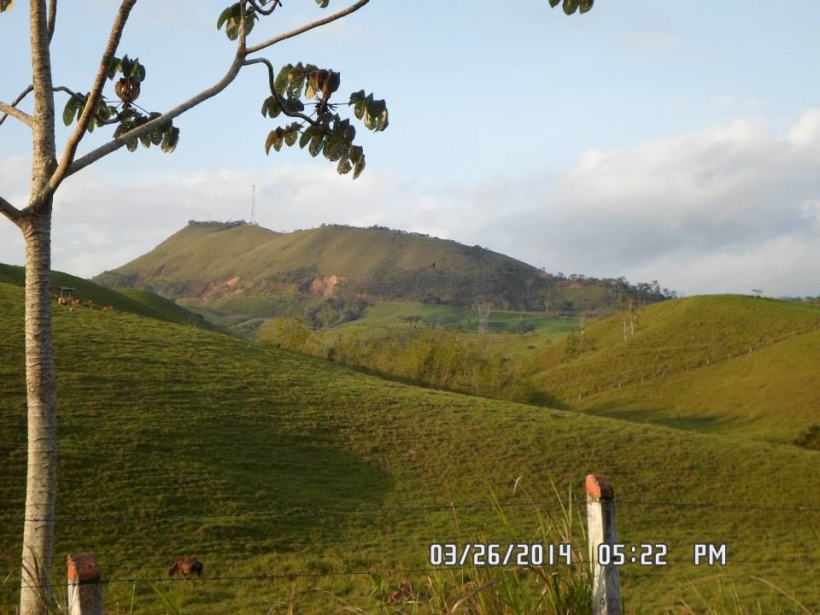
[[41, 483]]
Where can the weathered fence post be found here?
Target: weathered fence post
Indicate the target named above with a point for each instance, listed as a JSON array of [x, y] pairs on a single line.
[[84, 585], [606, 585]]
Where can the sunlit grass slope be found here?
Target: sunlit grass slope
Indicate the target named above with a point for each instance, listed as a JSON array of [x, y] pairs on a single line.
[[175, 440], [717, 362], [135, 301], [224, 265], [386, 319]]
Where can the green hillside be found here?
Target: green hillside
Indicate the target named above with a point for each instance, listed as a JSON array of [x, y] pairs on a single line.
[[213, 261], [236, 273], [286, 475], [725, 363], [135, 301]]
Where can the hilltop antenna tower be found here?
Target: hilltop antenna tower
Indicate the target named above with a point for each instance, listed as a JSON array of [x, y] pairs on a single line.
[[253, 204]]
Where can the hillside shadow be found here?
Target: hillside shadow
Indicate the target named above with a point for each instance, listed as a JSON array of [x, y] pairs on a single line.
[[290, 491], [710, 423]]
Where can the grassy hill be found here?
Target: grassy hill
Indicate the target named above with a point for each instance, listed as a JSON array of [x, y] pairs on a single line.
[[293, 478], [134, 301], [717, 363], [237, 272], [211, 261]]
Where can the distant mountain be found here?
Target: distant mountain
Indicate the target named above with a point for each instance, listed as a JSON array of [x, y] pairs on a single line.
[[211, 261], [232, 266]]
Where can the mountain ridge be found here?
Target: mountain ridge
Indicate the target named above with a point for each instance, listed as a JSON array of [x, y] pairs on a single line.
[[209, 261]]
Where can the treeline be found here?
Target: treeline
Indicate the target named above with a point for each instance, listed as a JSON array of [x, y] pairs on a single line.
[[429, 357], [216, 223], [334, 311]]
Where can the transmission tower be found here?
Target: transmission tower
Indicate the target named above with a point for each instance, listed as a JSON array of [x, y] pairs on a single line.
[[483, 317]]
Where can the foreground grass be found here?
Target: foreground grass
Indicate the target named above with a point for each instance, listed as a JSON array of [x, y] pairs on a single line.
[[286, 475]]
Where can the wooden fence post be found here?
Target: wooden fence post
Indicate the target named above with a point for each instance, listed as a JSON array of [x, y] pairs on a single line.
[[606, 585], [84, 585]]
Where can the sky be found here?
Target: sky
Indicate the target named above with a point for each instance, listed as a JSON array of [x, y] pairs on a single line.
[[668, 141]]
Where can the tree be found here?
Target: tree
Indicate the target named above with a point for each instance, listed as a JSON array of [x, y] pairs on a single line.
[[289, 93]]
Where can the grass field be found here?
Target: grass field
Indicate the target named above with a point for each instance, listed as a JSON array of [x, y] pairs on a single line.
[[131, 300], [383, 319], [291, 477], [723, 364]]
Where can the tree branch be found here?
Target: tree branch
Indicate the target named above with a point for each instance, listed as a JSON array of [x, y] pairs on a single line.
[[275, 94], [52, 18], [263, 11], [192, 102], [93, 96], [101, 120], [320, 22], [10, 211], [44, 150], [242, 44], [16, 114], [16, 102]]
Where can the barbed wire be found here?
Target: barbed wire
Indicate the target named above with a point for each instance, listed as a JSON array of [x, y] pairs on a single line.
[[452, 506], [292, 576]]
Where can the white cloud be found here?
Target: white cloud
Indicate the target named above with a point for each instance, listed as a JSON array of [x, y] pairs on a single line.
[[806, 133], [717, 209], [724, 209]]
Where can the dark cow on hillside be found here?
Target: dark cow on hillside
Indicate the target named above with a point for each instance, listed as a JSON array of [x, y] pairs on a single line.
[[186, 565]]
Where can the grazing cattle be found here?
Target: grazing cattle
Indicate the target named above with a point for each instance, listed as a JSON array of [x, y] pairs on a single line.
[[107, 308], [186, 565]]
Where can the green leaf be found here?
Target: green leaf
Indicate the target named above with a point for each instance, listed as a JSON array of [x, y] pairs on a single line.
[[6, 5], [344, 166], [376, 117], [323, 3], [112, 68], [336, 148], [225, 15], [310, 133], [232, 29], [252, 17], [570, 6], [358, 167], [138, 73], [586, 5], [292, 135], [316, 145], [554, 3], [356, 153], [170, 140], [70, 110], [230, 18], [126, 64], [157, 136], [271, 108], [132, 145], [281, 81], [274, 140]]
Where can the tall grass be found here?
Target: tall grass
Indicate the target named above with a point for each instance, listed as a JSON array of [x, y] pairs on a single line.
[[539, 588]]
